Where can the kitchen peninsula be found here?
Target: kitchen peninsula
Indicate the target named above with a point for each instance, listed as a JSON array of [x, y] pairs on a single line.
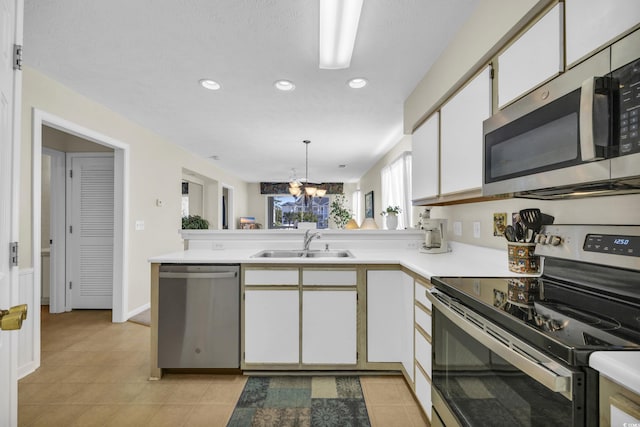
[[367, 312]]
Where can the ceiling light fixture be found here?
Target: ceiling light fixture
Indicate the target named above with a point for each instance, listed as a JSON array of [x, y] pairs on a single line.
[[284, 85], [297, 188], [210, 84], [357, 83], [338, 27]]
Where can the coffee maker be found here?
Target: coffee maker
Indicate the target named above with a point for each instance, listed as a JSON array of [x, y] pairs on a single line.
[[435, 238]]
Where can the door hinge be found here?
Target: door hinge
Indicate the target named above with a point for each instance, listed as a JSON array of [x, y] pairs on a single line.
[[71, 229], [70, 285], [13, 254], [243, 356], [492, 73], [17, 57], [357, 356], [70, 173]]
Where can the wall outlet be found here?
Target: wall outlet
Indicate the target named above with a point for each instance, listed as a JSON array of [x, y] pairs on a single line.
[[476, 229], [412, 245], [139, 225], [457, 228]]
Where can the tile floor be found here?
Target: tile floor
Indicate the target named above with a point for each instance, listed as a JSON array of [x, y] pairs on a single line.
[[94, 373]]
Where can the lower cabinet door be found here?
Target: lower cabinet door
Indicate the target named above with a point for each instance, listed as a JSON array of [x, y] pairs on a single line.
[[271, 331], [329, 327]]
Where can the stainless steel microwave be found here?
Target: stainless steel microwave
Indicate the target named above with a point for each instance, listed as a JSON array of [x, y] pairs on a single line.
[[575, 136]]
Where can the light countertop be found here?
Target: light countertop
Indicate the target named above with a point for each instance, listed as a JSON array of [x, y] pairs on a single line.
[[463, 260], [622, 367]]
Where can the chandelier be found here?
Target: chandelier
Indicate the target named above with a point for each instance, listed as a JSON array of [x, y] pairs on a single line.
[[296, 187]]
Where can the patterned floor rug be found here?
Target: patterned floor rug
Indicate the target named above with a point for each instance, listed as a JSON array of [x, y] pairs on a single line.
[[301, 402]]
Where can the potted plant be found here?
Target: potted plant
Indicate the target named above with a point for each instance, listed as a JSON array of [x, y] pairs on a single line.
[[391, 214], [194, 222], [339, 213]]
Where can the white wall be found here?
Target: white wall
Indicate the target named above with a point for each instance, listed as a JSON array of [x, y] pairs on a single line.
[[593, 210], [155, 170]]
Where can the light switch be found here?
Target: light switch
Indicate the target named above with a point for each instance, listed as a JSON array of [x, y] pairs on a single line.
[[139, 225], [476, 229], [457, 228]]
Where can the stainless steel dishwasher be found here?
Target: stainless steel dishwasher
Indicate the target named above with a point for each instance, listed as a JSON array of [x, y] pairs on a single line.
[[199, 316]]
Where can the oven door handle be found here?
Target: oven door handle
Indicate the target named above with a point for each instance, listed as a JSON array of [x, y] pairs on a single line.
[[527, 359]]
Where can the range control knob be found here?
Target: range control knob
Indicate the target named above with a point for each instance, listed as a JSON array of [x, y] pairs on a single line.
[[554, 240]]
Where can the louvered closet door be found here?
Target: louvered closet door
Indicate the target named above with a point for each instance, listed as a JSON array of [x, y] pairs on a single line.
[[90, 231]]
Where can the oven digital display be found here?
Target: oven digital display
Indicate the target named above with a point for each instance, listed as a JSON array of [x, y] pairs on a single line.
[[613, 244]]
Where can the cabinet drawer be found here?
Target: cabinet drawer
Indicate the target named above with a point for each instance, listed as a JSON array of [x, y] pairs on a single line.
[[423, 391], [275, 277], [423, 353], [423, 319], [420, 294], [311, 277]]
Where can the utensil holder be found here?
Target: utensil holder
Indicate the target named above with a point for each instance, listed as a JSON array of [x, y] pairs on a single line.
[[522, 259]]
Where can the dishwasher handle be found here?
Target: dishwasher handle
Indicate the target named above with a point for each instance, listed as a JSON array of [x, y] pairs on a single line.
[[192, 275]]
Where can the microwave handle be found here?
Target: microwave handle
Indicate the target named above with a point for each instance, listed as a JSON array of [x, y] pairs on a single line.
[[587, 139]]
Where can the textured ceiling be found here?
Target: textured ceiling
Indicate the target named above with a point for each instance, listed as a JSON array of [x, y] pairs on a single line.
[[143, 59]]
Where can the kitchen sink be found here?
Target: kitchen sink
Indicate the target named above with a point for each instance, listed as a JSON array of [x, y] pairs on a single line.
[[329, 254], [303, 254], [278, 254]]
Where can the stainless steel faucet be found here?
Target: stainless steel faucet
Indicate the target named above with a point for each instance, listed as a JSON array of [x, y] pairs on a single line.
[[308, 237]]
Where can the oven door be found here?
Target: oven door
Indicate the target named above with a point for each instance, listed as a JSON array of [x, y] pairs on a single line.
[[483, 375]]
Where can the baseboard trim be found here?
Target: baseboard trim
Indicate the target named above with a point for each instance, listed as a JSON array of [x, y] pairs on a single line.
[[138, 310], [27, 369]]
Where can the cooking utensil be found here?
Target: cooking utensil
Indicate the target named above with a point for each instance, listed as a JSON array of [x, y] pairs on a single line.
[[520, 231], [510, 233], [532, 219]]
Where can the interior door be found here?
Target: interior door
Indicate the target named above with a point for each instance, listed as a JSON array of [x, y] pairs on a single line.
[[90, 236], [10, 33]]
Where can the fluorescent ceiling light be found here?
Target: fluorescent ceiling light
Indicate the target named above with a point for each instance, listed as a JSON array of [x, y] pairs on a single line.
[[284, 85], [210, 84], [338, 27], [357, 83]]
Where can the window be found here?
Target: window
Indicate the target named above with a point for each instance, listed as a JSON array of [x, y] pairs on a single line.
[[287, 211], [396, 188]]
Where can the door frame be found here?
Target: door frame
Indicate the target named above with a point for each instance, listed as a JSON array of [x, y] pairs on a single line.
[[230, 212], [57, 273], [121, 207]]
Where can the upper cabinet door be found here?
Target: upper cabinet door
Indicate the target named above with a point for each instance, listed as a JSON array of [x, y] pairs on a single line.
[[592, 24], [425, 170], [532, 59], [461, 135]]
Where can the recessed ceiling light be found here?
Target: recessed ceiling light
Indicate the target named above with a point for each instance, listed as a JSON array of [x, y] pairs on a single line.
[[357, 83], [210, 84], [284, 85]]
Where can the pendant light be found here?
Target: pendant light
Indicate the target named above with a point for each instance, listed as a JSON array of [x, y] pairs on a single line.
[[310, 190]]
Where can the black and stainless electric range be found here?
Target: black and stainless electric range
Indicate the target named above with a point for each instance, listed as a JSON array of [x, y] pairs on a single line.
[[515, 351]]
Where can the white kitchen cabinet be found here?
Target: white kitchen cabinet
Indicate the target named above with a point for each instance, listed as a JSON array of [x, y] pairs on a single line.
[[461, 135], [425, 169], [390, 318], [536, 56], [271, 326], [329, 327], [592, 24], [407, 330], [329, 277], [271, 276], [423, 392]]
